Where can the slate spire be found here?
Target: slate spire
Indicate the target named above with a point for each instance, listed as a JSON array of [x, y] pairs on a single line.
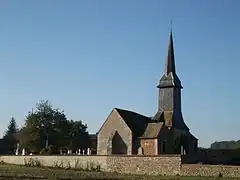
[[169, 99], [170, 63], [170, 78]]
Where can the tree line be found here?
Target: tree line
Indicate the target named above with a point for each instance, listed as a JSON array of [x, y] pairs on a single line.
[[226, 145], [46, 130]]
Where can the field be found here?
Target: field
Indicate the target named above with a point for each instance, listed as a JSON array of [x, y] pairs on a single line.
[[15, 172]]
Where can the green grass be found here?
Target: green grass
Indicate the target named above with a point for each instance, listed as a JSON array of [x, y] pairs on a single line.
[[16, 172]]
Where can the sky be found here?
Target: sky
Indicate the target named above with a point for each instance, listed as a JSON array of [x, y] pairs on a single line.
[[89, 56]]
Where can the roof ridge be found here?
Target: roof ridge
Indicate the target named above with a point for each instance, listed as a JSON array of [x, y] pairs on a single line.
[[130, 111]]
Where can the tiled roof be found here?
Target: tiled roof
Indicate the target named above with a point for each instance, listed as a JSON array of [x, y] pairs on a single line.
[[153, 130], [165, 116], [136, 122]]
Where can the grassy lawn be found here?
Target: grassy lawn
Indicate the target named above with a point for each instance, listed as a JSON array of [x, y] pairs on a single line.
[[29, 173]]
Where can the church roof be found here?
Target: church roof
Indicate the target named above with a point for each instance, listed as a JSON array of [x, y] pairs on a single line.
[[193, 137], [164, 116], [152, 130], [170, 78], [136, 122], [170, 63]]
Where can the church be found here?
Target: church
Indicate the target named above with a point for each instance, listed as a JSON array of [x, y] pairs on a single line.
[[129, 133]]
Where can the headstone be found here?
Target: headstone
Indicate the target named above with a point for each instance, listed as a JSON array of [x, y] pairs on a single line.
[[88, 151], [17, 150], [182, 150], [23, 152], [69, 151], [140, 151], [83, 152]]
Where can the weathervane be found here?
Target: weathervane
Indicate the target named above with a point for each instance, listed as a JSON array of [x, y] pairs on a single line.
[[171, 26]]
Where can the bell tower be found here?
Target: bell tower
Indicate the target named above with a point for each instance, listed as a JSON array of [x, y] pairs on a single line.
[[169, 99]]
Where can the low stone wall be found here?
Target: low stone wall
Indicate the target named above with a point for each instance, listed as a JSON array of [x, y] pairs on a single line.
[[78, 162], [209, 170], [151, 165]]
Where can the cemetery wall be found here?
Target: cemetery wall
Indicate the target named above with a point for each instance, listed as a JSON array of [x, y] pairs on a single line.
[[152, 165], [168, 165], [78, 162], [209, 170]]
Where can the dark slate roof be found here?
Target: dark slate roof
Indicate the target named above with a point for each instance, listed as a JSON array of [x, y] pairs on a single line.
[[193, 137], [168, 118], [136, 122], [170, 78], [164, 116], [152, 130], [170, 64]]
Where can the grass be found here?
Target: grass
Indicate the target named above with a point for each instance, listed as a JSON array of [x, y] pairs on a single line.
[[15, 172]]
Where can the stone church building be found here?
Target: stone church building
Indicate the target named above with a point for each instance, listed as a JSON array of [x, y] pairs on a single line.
[[128, 133]]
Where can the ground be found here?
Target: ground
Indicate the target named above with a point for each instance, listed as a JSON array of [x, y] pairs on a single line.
[[15, 172]]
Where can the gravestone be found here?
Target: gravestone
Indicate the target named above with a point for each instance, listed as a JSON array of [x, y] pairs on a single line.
[[88, 151], [17, 150], [23, 151], [182, 150], [140, 151], [69, 151]]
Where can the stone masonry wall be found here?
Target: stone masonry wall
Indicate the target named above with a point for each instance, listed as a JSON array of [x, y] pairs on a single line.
[[209, 170], [151, 165]]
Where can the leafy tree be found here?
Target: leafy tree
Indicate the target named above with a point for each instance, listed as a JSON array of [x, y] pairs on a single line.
[[47, 126], [9, 137], [78, 135], [41, 127]]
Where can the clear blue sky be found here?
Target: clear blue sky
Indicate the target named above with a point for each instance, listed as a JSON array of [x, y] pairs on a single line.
[[89, 56]]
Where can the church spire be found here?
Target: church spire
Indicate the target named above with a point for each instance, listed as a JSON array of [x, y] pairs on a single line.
[[170, 63], [170, 78], [169, 99]]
